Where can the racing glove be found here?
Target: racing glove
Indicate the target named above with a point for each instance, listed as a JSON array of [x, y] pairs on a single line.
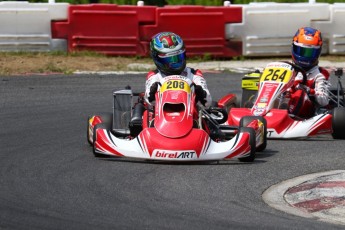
[[200, 94], [153, 90], [306, 89]]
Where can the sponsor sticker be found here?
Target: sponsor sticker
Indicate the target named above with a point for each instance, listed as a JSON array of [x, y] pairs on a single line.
[[170, 154], [258, 112], [263, 100], [261, 105]]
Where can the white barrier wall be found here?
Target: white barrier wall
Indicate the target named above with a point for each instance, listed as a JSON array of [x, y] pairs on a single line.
[[267, 28], [27, 26], [334, 29]]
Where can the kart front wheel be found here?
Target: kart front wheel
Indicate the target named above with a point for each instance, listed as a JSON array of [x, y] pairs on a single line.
[[107, 119], [338, 123], [106, 123], [252, 143], [247, 119], [98, 126], [88, 136]]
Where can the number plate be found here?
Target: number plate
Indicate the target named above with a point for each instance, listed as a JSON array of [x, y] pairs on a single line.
[[277, 72], [175, 85]]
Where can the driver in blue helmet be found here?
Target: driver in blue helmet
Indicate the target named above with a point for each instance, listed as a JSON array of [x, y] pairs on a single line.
[[169, 55], [306, 50]]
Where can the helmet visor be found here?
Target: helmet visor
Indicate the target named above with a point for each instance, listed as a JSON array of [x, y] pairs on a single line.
[[174, 62], [307, 52]]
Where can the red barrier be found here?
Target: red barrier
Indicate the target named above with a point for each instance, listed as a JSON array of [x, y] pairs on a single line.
[[202, 28], [127, 30], [106, 28]]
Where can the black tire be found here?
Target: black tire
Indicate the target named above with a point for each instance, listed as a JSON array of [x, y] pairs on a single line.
[[252, 144], [98, 126], [334, 91], [214, 104], [238, 100], [247, 119], [338, 123], [88, 130], [248, 98], [233, 104], [107, 119]]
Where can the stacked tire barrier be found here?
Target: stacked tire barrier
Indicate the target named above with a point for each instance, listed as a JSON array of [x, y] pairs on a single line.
[[260, 29]]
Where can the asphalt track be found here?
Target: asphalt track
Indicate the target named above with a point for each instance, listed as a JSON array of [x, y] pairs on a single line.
[[49, 178]]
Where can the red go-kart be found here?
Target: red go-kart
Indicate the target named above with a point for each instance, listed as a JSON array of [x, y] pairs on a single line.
[[174, 129], [263, 95]]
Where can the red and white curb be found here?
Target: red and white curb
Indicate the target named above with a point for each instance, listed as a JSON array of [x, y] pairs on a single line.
[[319, 196]]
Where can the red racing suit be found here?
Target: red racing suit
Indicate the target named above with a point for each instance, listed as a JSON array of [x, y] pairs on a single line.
[[194, 75], [304, 100]]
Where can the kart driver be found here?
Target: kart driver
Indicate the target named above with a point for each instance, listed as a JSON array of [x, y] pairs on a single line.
[[305, 98], [169, 55]]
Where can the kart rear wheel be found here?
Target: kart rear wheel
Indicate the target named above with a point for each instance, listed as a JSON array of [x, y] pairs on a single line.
[[247, 119], [338, 123], [252, 144], [334, 97]]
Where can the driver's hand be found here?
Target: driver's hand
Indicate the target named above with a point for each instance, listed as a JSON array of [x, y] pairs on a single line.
[[200, 94], [153, 90], [303, 87]]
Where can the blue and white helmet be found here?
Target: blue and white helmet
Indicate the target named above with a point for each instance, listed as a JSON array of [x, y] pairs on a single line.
[[168, 53]]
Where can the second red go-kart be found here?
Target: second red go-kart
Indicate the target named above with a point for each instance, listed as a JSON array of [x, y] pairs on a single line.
[[263, 95], [174, 129]]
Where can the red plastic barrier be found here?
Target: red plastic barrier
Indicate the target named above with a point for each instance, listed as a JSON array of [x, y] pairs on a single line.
[[202, 28], [106, 28], [127, 30]]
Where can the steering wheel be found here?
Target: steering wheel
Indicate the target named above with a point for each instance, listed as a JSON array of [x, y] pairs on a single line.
[[298, 69]]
